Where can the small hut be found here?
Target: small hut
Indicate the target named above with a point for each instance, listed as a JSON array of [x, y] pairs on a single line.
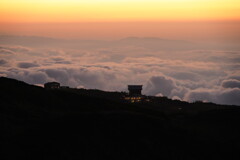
[[52, 85]]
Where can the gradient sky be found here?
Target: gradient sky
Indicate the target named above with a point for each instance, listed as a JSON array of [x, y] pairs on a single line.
[[177, 19], [113, 10]]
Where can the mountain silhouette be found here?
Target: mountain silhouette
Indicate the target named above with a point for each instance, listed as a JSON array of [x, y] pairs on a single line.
[[91, 124], [150, 43]]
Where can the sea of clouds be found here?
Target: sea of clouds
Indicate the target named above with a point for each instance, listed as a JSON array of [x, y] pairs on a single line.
[[177, 71]]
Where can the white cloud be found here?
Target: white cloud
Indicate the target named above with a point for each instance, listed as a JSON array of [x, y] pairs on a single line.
[[191, 75], [226, 96], [160, 84]]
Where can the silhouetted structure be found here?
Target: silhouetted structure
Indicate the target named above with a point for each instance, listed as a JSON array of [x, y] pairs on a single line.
[[135, 94], [135, 90], [52, 85]]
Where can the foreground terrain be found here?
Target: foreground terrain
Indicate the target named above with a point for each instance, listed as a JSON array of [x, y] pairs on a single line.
[[90, 124]]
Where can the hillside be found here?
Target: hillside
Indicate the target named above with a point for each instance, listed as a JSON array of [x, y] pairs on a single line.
[[92, 124]]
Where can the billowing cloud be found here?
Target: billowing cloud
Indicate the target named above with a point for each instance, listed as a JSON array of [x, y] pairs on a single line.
[[5, 51], [231, 83], [11, 49], [228, 96], [236, 77], [191, 75], [160, 84]]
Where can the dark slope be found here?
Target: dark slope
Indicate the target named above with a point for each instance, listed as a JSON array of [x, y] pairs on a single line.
[[90, 124]]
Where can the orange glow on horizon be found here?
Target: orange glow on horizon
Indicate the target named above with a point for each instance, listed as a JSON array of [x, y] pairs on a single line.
[[109, 19]]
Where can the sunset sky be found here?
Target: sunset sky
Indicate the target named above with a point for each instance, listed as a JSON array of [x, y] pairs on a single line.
[[120, 18], [114, 10]]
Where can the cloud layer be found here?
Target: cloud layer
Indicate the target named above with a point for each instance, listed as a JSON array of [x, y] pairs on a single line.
[[191, 75]]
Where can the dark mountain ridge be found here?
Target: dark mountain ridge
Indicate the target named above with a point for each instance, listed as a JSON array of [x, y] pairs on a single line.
[[90, 124]]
